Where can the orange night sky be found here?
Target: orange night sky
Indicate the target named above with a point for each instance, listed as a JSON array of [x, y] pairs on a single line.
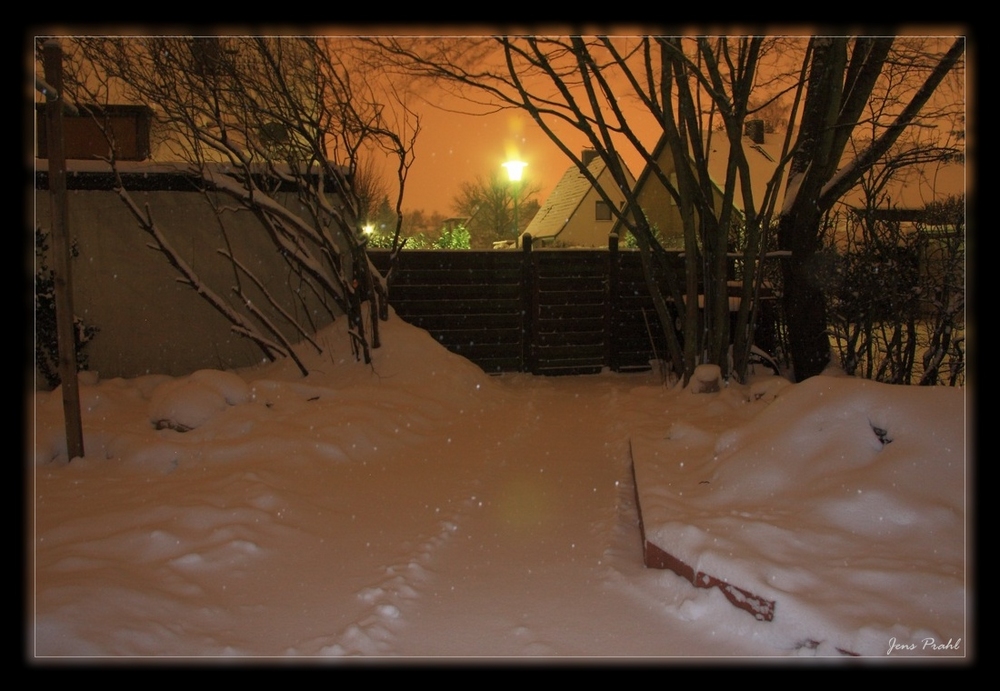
[[453, 148]]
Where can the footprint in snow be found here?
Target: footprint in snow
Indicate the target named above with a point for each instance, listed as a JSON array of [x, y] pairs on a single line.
[[370, 595]]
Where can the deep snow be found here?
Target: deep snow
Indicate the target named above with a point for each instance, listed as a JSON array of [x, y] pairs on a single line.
[[421, 508]]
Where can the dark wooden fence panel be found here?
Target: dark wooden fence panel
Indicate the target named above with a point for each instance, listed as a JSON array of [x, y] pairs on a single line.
[[569, 311], [547, 311], [638, 336], [471, 302]]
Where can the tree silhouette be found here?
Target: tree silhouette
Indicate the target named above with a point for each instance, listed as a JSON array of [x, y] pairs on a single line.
[[696, 88], [489, 205], [259, 121]]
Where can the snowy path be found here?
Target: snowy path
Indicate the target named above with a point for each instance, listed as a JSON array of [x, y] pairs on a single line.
[[452, 559], [521, 541], [494, 535]]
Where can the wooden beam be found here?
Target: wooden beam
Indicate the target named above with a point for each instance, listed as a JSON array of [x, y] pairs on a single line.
[[65, 329]]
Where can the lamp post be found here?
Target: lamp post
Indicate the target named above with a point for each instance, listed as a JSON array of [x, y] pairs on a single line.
[[514, 171]]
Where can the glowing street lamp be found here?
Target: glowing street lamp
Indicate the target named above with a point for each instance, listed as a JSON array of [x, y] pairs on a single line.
[[368, 229], [514, 171]]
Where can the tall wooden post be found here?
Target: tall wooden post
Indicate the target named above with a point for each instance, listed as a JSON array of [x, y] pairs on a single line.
[[65, 330], [527, 306], [611, 308]]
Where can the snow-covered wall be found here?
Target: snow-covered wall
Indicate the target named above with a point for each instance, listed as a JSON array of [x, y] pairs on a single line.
[[149, 321]]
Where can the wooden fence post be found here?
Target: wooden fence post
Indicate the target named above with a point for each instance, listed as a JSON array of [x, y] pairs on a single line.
[[611, 311], [528, 305], [614, 259], [65, 329]]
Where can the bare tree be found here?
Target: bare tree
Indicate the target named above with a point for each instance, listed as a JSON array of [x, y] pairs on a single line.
[[371, 188], [602, 87], [843, 75], [697, 88], [282, 127], [420, 228], [489, 204]]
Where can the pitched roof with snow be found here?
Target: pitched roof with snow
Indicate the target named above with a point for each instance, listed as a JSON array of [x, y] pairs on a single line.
[[564, 200]]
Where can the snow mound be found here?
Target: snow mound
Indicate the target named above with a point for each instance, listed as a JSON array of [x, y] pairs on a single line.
[[705, 379], [189, 402], [767, 388], [409, 359], [777, 505]]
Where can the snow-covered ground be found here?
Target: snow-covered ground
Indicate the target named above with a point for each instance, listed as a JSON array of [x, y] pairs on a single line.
[[421, 508]]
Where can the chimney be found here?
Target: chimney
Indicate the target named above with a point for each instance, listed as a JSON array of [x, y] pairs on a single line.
[[754, 129], [587, 156]]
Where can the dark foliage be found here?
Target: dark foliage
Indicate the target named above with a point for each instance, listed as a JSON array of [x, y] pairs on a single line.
[[46, 340]]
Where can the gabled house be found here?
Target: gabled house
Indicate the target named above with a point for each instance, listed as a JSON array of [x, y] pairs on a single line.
[[905, 195], [661, 208], [574, 215]]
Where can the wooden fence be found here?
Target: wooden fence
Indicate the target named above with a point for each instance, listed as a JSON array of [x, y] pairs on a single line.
[[545, 311]]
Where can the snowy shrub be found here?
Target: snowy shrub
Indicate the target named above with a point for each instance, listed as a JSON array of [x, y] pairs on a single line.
[[46, 339], [896, 297]]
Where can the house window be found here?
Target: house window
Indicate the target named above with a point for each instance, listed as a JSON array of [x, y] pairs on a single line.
[[602, 212], [84, 134]]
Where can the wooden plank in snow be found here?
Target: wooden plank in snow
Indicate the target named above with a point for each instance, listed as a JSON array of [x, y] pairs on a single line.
[[658, 557]]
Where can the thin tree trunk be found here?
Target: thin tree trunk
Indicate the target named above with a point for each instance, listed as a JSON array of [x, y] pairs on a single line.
[[805, 310]]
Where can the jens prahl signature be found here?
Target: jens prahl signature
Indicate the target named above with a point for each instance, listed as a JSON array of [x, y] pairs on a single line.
[[925, 645]]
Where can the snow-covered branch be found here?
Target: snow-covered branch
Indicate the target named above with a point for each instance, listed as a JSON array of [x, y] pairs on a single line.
[[270, 298], [278, 125], [190, 277]]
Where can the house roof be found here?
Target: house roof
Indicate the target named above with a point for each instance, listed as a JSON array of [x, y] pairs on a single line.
[[565, 199], [762, 160], [912, 188]]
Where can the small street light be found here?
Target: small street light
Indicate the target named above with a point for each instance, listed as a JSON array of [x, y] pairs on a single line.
[[514, 171]]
